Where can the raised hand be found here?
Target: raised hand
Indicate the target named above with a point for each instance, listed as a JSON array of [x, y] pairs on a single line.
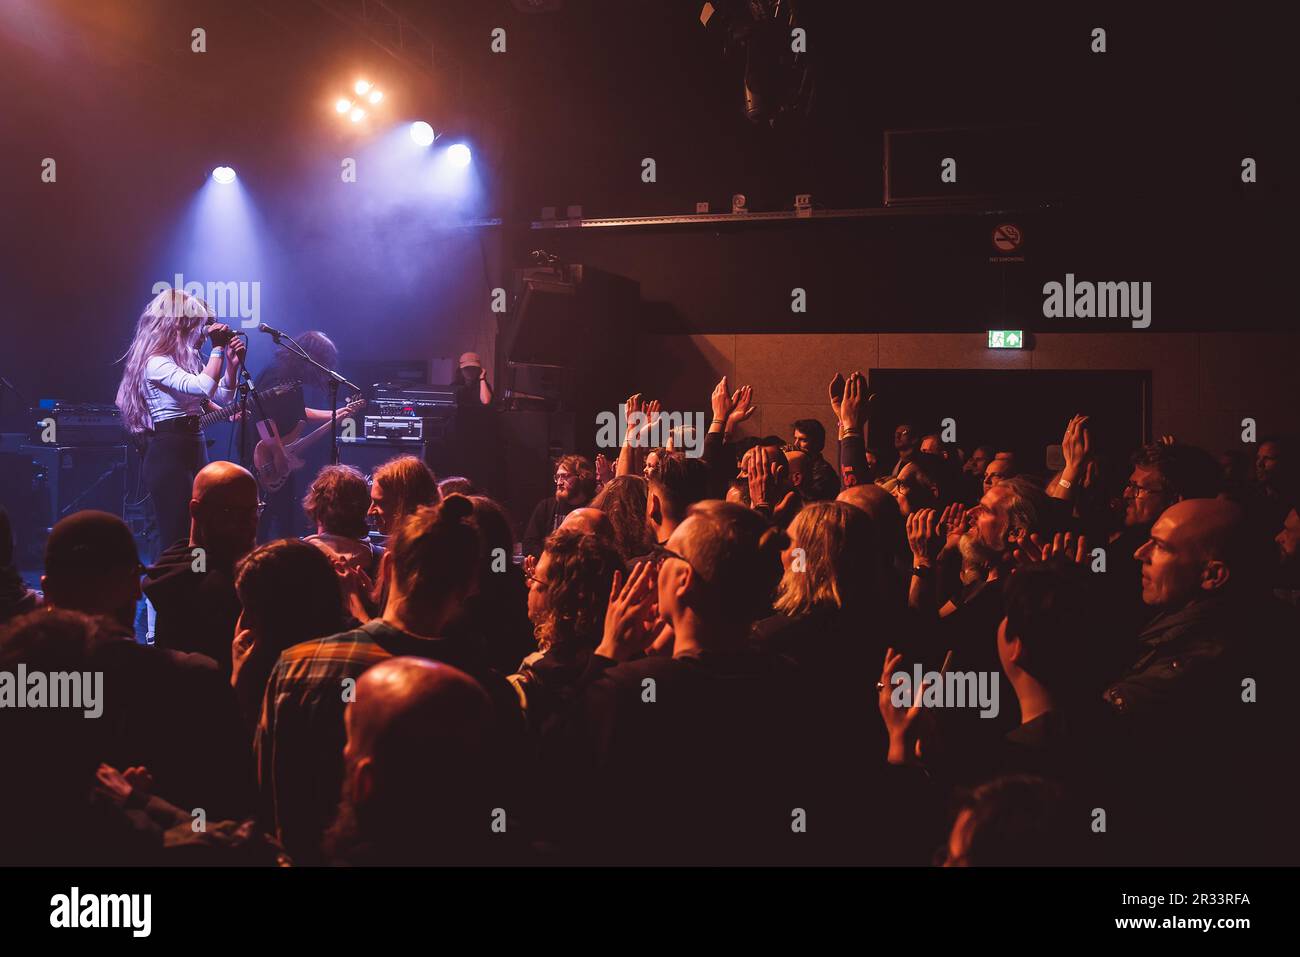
[[742, 407], [1076, 445], [923, 535], [631, 622], [853, 408], [900, 722], [721, 401], [1064, 546], [765, 475], [604, 468], [836, 392], [952, 523]]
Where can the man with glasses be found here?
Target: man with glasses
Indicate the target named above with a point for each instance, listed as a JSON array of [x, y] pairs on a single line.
[[575, 485], [192, 584]]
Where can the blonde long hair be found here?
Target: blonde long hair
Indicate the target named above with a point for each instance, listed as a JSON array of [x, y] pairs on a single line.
[[166, 328], [837, 566]]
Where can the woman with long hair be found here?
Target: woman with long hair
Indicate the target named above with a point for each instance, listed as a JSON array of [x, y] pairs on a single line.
[[165, 386]]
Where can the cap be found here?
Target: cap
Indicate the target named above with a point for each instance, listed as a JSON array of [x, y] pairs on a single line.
[[468, 359]]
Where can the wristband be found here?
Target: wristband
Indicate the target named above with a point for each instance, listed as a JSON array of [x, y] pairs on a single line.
[[1064, 483], [217, 351], [921, 571]]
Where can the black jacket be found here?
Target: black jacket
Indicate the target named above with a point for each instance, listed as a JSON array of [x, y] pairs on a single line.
[[197, 611]]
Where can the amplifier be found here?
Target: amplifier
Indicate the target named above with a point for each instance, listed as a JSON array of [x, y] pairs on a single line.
[[73, 424], [415, 401], [394, 428], [70, 479]]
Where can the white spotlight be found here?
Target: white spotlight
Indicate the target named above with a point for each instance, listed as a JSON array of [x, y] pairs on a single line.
[[422, 133], [459, 154], [357, 114], [343, 104], [376, 96], [361, 87], [224, 175]]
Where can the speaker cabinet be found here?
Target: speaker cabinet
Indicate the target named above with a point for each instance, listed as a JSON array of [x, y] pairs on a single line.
[[68, 479]]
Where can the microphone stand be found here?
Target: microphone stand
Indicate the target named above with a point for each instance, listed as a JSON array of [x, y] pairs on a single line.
[[334, 379]]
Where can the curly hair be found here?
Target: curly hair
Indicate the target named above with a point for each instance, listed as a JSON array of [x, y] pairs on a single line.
[[580, 572], [338, 501], [580, 466]]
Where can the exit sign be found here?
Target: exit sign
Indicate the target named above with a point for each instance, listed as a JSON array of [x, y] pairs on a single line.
[[1006, 339]]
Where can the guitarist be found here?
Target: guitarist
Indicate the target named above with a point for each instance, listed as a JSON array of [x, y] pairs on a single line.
[[283, 516]]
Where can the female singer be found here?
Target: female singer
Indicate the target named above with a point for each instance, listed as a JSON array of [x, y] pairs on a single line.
[[165, 387]]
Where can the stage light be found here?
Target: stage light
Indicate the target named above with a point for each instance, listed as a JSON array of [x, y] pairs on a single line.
[[357, 114], [343, 105], [361, 87], [223, 175], [376, 96], [459, 154], [422, 133]]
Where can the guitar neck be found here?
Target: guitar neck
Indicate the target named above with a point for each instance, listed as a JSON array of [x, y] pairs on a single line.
[[227, 412], [218, 415], [323, 428]]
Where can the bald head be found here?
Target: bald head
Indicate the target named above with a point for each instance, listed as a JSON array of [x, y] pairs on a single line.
[[800, 464], [872, 499], [882, 508], [402, 701], [1196, 547], [223, 511], [590, 521], [219, 477], [417, 749], [1209, 524]]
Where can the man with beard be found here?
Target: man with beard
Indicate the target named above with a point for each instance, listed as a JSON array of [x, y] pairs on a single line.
[[416, 788], [575, 485], [984, 538]]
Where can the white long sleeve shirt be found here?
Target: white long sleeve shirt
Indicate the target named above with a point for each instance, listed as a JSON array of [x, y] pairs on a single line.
[[171, 392]]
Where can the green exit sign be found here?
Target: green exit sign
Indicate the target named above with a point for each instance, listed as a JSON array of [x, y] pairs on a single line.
[[1006, 339]]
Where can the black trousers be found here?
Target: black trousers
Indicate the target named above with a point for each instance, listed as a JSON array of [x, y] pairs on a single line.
[[171, 460]]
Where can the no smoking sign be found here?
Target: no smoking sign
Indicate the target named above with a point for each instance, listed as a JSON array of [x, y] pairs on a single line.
[[1007, 240]]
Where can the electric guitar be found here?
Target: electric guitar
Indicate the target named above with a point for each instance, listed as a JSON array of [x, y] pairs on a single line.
[[227, 412], [275, 457]]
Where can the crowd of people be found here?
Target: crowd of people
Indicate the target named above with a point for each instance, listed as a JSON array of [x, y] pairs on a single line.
[[701, 659]]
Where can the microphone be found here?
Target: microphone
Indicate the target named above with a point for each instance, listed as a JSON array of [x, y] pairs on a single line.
[[273, 333], [224, 338]]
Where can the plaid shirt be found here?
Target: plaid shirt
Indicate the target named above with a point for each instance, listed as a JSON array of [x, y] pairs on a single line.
[[300, 737]]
